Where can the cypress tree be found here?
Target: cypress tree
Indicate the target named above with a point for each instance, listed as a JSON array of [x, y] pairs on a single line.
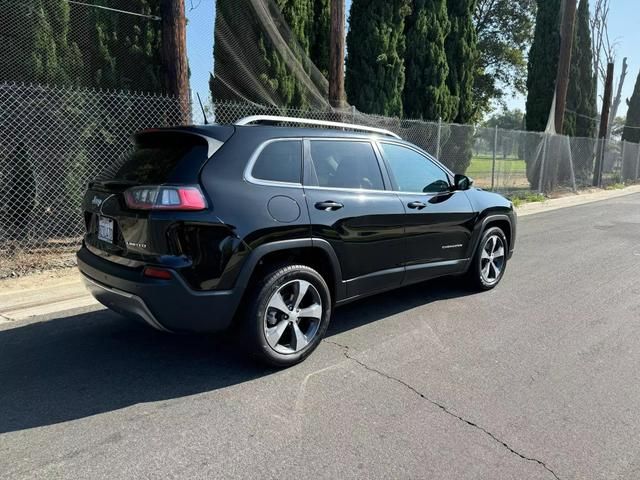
[[580, 118], [40, 49], [375, 75], [632, 126], [462, 56], [426, 94], [124, 52], [241, 41], [541, 80], [319, 35], [543, 65]]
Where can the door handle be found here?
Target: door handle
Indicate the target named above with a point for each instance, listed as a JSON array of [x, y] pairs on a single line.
[[417, 205], [329, 206]]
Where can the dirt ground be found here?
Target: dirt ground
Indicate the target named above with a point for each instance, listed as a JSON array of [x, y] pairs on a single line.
[[47, 264]]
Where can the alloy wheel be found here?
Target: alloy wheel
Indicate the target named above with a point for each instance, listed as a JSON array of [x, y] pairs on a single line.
[[492, 260], [293, 317]]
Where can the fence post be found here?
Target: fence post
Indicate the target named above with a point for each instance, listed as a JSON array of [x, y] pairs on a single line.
[[602, 153], [638, 163], [353, 114], [438, 139], [495, 153], [622, 162], [542, 162], [573, 172]]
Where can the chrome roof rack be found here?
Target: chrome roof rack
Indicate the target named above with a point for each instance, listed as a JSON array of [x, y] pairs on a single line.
[[317, 123]]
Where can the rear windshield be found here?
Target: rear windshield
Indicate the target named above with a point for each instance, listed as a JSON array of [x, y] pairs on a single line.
[[161, 157]]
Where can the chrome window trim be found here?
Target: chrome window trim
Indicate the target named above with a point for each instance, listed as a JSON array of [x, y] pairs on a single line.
[[389, 192], [352, 190], [248, 171]]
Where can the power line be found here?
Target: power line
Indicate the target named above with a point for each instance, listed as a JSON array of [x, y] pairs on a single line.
[[102, 7], [595, 119]]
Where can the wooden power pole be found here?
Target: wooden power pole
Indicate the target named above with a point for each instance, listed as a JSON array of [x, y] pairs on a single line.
[[564, 62], [604, 124], [175, 66], [336, 54], [617, 100]]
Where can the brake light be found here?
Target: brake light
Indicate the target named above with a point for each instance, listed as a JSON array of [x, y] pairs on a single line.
[[165, 197]]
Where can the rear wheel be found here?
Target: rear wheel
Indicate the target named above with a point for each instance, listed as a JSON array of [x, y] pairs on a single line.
[[490, 260], [289, 315]]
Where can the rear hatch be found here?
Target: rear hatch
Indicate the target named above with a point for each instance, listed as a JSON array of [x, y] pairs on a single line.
[[130, 209]]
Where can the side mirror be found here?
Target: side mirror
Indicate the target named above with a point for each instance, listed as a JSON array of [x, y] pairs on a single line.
[[462, 182]]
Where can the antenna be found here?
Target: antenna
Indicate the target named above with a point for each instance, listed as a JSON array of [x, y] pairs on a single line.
[[206, 122]]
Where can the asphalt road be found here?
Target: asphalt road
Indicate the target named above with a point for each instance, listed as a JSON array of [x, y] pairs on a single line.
[[538, 379]]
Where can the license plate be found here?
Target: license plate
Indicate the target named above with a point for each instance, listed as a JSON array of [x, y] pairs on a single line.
[[105, 229]]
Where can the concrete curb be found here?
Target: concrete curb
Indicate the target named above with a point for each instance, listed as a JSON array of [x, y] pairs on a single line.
[[574, 200]]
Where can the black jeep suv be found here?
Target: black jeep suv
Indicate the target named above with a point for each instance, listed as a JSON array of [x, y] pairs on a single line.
[[269, 228]]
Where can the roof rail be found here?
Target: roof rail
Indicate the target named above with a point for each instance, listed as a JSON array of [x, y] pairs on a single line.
[[309, 121]]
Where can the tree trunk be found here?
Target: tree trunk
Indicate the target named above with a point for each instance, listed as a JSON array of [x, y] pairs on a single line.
[[618, 98], [175, 65], [336, 54], [564, 62], [604, 121]]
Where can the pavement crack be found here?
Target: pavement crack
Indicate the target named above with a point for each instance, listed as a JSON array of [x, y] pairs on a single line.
[[444, 408]]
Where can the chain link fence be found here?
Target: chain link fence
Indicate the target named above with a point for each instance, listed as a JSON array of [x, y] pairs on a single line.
[[53, 140], [507, 161]]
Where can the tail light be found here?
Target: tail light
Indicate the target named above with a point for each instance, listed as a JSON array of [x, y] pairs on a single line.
[[165, 197]]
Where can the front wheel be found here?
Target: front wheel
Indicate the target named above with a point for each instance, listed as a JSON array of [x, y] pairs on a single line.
[[490, 260], [289, 315]]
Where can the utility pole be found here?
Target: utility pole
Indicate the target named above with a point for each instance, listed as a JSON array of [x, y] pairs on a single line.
[[604, 123], [564, 62], [336, 54], [618, 98], [174, 54]]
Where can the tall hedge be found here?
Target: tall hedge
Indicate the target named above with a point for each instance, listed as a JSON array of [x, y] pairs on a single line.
[[375, 74]]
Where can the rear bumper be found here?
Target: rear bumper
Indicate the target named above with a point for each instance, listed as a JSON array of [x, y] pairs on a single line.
[[166, 305]]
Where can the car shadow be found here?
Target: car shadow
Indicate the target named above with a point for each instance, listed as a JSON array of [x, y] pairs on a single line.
[[74, 367]]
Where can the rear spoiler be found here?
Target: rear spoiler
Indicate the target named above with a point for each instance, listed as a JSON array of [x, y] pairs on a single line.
[[213, 135]]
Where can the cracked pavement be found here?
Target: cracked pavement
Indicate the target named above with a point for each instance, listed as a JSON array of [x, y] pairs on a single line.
[[537, 379]]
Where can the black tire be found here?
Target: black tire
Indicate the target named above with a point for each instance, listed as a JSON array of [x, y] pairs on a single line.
[[256, 321], [478, 280]]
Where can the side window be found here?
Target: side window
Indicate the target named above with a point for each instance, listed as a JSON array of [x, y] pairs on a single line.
[[414, 172], [280, 161], [346, 164]]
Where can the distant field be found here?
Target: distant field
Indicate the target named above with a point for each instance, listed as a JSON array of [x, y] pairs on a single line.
[[482, 167], [511, 174]]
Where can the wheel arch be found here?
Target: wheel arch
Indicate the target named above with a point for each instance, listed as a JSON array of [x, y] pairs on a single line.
[[501, 221], [315, 253]]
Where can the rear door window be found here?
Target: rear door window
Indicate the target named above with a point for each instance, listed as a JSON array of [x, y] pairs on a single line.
[[346, 164], [279, 161]]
